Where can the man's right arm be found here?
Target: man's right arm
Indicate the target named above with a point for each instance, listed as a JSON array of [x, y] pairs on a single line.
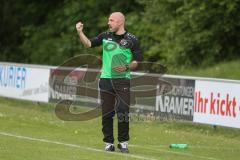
[[83, 38]]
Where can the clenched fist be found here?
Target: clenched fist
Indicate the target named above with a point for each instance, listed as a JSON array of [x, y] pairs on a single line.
[[79, 26]]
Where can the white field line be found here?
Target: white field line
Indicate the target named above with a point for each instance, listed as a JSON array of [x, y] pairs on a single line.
[[178, 153], [102, 151], [75, 146]]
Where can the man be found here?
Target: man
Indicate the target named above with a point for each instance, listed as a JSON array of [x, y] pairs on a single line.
[[121, 53]]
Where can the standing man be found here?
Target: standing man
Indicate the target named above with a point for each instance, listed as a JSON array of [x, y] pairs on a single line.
[[121, 53]]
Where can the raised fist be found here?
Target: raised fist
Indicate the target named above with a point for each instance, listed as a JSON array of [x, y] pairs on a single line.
[[79, 26]]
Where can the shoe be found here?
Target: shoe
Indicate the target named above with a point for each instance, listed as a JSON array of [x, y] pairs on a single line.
[[123, 147], [109, 147]]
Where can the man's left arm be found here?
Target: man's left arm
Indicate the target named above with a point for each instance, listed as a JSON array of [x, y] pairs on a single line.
[[137, 55]]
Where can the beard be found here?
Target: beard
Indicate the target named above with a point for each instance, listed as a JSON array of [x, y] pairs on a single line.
[[111, 29]]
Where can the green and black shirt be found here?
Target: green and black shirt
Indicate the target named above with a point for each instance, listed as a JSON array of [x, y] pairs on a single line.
[[117, 50]]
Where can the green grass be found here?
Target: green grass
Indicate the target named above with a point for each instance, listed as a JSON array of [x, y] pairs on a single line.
[[31, 131], [226, 70]]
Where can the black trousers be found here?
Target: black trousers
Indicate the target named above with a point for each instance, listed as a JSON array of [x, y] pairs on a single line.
[[115, 98]]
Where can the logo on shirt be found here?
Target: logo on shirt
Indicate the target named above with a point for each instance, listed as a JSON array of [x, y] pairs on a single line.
[[125, 43]]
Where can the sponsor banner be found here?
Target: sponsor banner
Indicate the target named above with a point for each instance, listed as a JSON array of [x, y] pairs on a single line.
[[178, 102], [24, 82], [217, 103], [70, 84]]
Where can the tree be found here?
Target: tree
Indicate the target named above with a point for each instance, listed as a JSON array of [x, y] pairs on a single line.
[[189, 32], [56, 39], [15, 15]]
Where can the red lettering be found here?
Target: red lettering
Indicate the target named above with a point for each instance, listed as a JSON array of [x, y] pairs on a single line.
[[228, 106], [195, 102], [221, 106], [234, 103], [212, 103], [221, 110], [218, 105], [205, 104], [200, 102]]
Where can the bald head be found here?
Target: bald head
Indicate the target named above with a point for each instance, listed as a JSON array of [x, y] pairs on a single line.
[[116, 22], [118, 16]]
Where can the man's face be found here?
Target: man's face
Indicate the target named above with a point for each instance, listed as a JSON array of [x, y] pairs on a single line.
[[113, 23]]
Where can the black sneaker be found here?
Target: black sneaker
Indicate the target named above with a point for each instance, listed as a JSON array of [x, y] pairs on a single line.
[[123, 147], [109, 147]]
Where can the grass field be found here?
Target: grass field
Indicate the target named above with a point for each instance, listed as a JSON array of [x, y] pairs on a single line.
[[226, 70], [31, 131]]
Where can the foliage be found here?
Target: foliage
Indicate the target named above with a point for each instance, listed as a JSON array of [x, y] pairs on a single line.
[[177, 33], [191, 33]]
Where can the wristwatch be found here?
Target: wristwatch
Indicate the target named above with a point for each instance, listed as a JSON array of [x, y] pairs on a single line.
[[127, 67]]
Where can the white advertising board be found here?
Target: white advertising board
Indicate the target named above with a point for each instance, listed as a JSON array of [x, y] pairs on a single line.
[[217, 103], [24, 82]]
